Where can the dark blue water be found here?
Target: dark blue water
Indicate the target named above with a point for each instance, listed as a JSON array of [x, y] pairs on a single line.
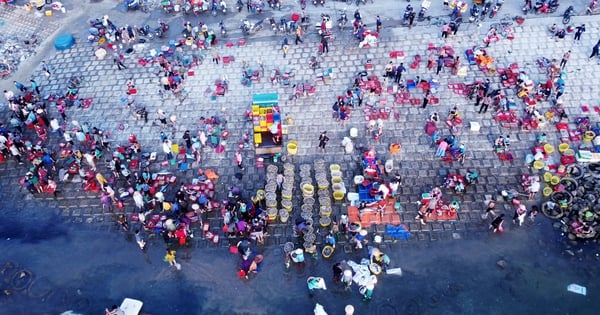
[[86, 271]]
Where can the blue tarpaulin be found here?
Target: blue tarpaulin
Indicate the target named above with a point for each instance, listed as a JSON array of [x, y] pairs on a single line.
[[399, 231]]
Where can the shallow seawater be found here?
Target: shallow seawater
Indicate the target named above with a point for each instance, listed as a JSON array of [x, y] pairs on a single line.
[[86, 271]]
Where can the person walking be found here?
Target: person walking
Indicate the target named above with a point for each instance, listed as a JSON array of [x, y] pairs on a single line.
[[595, 50], [485, 103], [578, 31], [426, 99], [299, 34], [323, 139], [170, 258], [118, 60], [564, 60], [35, 87], [239, 160], [285, 47], [325, 44], [440, 64], [139, 239], [378, 24], [398, 73], [46, 68], [21, 87]]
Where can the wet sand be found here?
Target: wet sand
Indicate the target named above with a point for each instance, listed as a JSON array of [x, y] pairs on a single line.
[[85, 271]]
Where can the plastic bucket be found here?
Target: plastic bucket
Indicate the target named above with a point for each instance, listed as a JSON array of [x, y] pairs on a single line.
[[336, 174], [538, 165], [336, 180], [272, 214], [547, 191], [284, 215], [286, 194], [563, 147], [338, 195], [287, 205], [337, 187], [334, 168], [323, 184], [325, 211], [569, 152], [548, 148], [308, 189], [324, 221], [589, 135], [555, 180], [306, 208], [292, 148], [547, 177]]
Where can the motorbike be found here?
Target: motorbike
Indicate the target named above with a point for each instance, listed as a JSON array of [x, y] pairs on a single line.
[[223, 29], [543, 6], [132, 5], [248, 28], [407, 11], [162, 28], [141, 113], [145, 31], [321, 2], [592, 8], [325, 24], [424, 7], [343, 20], [239, 5], [359, 2], [273, 24], [475, 13], [167, 6], [275, 4], [214, 8], [186, 8], [303, 4], [496, 8], [568, 14], [223, 6], [527, 7], [486, 8]]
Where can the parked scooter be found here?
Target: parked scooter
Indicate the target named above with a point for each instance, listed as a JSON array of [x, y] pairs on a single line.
[[145, 31], [132, 5], [425, 4], [223, 29], [248, 28], [475, 13], [239, 5], [162, 28], [487, 6], [167, 6], [527, 7], [223, 6], [343, 20], [407, 11], [496, 8], [321, 2], [592, 8], [567, 15], [326, 23]]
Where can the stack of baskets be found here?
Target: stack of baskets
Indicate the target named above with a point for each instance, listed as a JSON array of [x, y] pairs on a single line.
[[323, 193], [337, 183], [308, 204], [287, 191]]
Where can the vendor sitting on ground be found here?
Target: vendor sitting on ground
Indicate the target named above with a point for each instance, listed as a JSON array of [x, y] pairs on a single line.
[[378, 206], [378, 257], [330, 240]]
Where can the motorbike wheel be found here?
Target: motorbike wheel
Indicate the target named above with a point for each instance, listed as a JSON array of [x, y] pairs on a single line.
[[566, 20]]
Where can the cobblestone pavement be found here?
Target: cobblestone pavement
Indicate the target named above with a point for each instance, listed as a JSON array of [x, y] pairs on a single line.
[[311, 114]]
